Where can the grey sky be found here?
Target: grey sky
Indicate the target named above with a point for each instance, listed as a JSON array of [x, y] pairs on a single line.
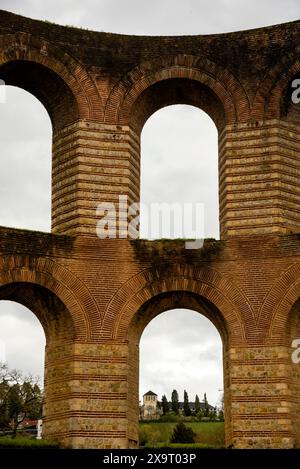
[[182, 358], [159, 17], [179, 163]]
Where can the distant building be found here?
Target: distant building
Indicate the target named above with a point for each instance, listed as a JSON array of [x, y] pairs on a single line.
[[151, 409]]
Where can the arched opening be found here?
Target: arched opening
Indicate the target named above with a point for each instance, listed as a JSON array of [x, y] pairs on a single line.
[[22, 339], [180, 152], [25, 180], [181, 350], [179, 164], [168, 304], [46, 85], [22, 356], [48, 308], [293, 344], [58, 329], [26, 138]]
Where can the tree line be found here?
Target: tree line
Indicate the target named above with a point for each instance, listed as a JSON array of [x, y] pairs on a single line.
[[202, 411]]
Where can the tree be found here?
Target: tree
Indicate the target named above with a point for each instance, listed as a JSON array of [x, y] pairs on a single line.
[[186, 405], [175, 401], [197, 405], [182, 434], [165, 405], [221, 415], [221, 409], [213, 414], [206, 406], [20, 398]]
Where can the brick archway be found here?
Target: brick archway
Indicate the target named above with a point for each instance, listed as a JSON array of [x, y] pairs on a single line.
[[207, 283], [267, 102], [169, 286], [280, 299], [24, 58], [222, 83], [60, 282], [99, 89]]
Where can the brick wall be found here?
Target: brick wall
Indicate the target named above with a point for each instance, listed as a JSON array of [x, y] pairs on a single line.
[[95, 297]]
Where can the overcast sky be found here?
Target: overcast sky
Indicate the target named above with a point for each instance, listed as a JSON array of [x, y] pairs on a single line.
[[179, 164]]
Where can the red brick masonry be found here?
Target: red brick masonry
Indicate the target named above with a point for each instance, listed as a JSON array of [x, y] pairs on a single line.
[[94, 297]]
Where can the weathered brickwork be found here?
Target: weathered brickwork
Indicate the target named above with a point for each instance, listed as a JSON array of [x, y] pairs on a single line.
[[95, 297], [92, 163]]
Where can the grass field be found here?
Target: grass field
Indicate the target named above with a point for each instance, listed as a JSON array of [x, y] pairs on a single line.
[[158, 434], [25, 442]]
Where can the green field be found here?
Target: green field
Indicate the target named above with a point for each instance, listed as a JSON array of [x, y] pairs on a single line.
[[157, 434], [25, 442]]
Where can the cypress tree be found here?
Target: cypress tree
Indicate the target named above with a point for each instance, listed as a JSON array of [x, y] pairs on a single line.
[[186, 405], [175, 401], [206, 406], [165, 405], [197, 404]]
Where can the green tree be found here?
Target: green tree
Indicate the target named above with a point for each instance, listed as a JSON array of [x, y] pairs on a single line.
[[182, 434], [213, 414], [206, 406], [197, 405], [4, 391], [175, 401], [165, 405], [20, 398], [221, 410], [186, 405], [221, 415]]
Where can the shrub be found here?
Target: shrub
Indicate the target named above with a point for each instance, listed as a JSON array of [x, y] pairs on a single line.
[[170, 417], [143, 437], [205, 419], [182, 434]]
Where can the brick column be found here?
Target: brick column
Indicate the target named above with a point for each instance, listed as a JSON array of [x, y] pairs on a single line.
[[261, 407], [57, 406], [259, 178], [92, 163], [86, 397]]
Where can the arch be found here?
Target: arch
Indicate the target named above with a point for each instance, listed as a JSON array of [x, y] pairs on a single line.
[[52, 314], [179, 127], [189, 280], [174, 300], [22, 337], [291, 329], [50, 74], [268, 100], [280, 299], [179, 289], [62, 283], [214, 85], [25, 149], [180, 337]]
